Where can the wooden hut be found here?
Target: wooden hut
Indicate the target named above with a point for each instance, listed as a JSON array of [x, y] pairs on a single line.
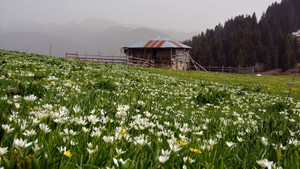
[[159, 52]]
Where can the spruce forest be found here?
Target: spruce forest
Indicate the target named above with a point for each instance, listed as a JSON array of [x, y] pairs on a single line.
[[244, 41]]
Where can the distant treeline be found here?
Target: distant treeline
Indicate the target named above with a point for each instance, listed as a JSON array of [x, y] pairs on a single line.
[[243, 41]]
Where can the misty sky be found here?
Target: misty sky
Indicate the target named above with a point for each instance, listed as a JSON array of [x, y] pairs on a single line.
[[181, 15]]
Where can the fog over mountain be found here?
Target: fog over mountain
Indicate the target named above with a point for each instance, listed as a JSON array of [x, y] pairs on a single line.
[[87, 36]]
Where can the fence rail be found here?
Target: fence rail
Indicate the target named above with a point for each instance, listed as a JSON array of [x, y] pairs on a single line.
[[140, 62], [133, 61], [227, 69], [122, 60]]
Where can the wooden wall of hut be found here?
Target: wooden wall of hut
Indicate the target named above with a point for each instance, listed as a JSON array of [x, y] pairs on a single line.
[[163, 57]]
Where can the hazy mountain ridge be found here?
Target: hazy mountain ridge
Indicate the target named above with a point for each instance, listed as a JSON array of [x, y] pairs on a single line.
[[87, 36]]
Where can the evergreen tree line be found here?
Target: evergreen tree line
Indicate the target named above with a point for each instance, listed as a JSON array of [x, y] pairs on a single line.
[[243, 41]]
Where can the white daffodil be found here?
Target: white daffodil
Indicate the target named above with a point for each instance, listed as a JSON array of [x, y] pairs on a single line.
[[7, 128], [108, 139], [119, 151], [30, 98], [120, 160], [44, 128], [20, 143], [165, 156], [77, 109], [31, 132], [163, 159], [85, 130], [264, 163], [3, 150], [90, 148], [264, 141], [230, 144]]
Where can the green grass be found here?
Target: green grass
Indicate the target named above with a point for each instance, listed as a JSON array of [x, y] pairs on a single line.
[[277, 85], [75, 114]]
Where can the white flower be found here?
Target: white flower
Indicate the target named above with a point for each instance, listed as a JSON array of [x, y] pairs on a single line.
[[36, 148], [62, 149], [20, 143], [212, 142], [264, 141], [175, 147], [30, 98], [3, 150], [120, 160], [44, 128], [108, 139], [294, 141], [121, 111], [7, 128], [24, 126], [123, 107], [77, 109], [116, 162], [48, 107], [165, 156], [17, 105], [265, 163], [142, 140], [90, 148], [68, 132], [230, 144], [29, 132], [119, 151], [185, 159], [163, 159], [96, 132], [240, 139], [85, 130], [93, 119], [219, 135], [200, 133]]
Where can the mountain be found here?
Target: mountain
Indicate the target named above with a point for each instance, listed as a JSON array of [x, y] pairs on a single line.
[[87, 36], [35, 42]]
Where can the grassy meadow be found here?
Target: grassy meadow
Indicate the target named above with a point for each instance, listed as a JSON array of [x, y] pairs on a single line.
[[59, 113]]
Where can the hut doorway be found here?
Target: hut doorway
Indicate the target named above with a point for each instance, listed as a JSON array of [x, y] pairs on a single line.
[[154, 53]]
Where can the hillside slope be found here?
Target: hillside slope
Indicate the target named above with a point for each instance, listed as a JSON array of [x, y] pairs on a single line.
[[59, 113]]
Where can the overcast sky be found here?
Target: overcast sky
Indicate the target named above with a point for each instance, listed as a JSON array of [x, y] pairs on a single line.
[[181, 15]]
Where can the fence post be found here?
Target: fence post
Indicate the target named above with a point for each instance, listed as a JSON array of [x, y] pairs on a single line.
[[222, 68], [99, 57]]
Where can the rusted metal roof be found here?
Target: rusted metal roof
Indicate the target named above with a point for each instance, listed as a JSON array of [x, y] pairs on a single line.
[[159, 42]]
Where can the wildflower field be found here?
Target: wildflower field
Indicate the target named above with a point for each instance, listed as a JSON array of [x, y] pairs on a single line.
[[59, 113]]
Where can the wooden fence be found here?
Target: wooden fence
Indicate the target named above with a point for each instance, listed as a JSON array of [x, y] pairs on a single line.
[[121, 60], [226, 69], [133, 61]]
